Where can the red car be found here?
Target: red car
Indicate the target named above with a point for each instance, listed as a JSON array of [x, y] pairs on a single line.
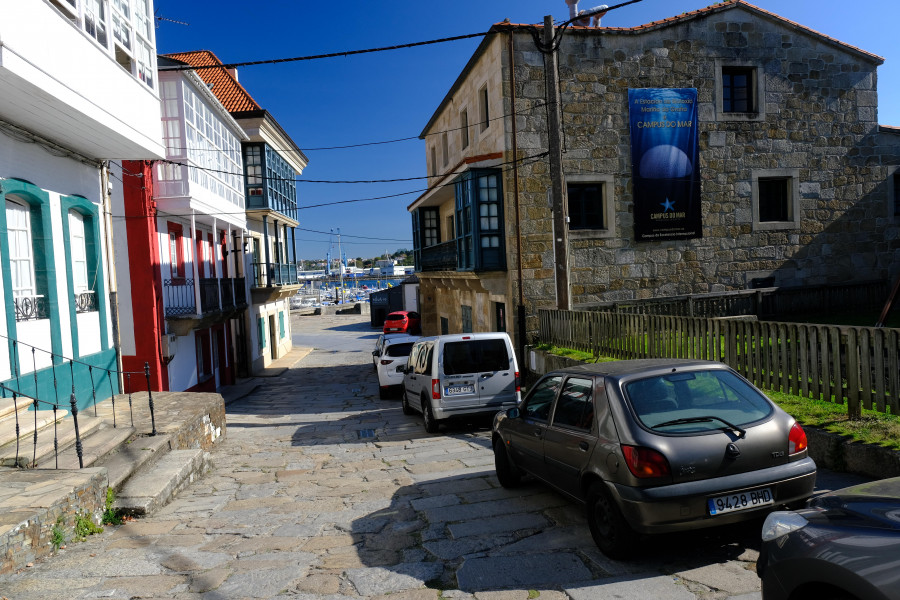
[[403, 321]]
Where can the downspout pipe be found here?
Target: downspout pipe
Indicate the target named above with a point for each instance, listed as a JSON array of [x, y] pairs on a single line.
[[106, 191], [520, 308]]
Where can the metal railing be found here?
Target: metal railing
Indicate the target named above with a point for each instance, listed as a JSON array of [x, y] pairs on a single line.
[[31, 308], [179, 297], [21, 399], [86, 302], [440, 257], [272, 274], [209, 295]]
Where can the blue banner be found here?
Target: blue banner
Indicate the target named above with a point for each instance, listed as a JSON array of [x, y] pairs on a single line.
[[665, 164]]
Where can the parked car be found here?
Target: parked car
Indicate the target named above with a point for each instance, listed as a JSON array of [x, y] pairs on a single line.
[[452, 376], [403, 321], [653, 446], [390, 354], [845, 544]]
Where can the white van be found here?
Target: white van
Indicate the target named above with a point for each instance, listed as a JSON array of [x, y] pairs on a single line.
[[450, 376]]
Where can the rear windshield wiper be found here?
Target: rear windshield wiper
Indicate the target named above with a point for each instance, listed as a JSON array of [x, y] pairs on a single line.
[[741, 432]]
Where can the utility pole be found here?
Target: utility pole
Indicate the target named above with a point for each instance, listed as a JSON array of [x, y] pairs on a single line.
[[559, 200]]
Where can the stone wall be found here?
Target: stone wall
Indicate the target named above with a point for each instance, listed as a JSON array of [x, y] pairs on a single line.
[[818, 118]]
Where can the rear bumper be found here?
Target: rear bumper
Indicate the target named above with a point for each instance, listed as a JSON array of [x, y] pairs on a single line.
[[683, 506], [442, 413]]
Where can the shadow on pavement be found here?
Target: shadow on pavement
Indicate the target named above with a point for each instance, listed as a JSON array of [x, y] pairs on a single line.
[[466, 532]]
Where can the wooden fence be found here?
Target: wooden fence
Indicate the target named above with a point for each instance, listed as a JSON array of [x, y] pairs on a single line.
[[762, 303], [859, 366]]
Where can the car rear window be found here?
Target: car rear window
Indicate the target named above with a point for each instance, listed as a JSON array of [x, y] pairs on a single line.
[[399, 349], [395, 317], [475, 356], [658, 401]]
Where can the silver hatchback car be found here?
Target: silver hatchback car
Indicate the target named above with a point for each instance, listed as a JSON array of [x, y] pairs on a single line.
[[653, 446]]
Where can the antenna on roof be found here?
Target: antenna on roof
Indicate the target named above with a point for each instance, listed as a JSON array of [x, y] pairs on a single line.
[[158, 19]]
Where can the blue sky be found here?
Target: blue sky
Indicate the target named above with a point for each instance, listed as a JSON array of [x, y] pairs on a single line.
[[391, 95]]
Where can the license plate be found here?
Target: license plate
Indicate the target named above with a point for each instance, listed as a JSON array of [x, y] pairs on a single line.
[[454, 390], [739, 501]]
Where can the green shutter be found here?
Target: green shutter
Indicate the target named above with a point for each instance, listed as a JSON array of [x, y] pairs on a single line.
[[261, 330], [281, 324]]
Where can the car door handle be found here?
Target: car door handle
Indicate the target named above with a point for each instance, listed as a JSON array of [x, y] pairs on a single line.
[[583, 446], [537, 433], [486, 375]]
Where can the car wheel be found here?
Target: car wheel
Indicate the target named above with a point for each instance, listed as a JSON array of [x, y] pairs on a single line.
[[404, 402], [431, 425], [610, 531], [507, 473]]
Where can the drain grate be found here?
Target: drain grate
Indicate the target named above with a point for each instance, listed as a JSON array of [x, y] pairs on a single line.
[[365, 433]]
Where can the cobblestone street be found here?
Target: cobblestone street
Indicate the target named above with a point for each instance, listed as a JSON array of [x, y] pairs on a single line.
[[320, 489]]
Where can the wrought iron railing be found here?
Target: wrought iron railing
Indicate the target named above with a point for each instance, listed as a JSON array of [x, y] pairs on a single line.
[[31, 308], [20, 400], [227, 294], [240, 292], [209, 295], [179, 297], [440, 257], [86, 302]]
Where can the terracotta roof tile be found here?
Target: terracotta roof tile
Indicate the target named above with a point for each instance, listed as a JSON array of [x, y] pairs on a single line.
[[224, 86]]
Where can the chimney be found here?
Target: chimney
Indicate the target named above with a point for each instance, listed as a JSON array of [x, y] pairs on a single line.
[[233, 73]]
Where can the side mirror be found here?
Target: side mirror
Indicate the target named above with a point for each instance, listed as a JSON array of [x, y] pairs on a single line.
[[513, 413], [374, 352]]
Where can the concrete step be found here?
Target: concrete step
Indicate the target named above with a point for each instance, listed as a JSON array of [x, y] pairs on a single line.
[[149, 489], [8, 406], [96, 445], [139, 454], [53, 440]]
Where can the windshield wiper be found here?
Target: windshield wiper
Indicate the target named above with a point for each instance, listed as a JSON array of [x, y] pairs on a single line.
[[741, 432]]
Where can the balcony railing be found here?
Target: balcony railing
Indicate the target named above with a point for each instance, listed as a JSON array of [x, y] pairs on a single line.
[[180, 299], [271, 274], [440, 257], [209, 295], [86, 302], [31, 308]]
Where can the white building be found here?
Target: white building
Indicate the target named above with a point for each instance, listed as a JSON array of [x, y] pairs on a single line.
[[186, 320], [77, 95]]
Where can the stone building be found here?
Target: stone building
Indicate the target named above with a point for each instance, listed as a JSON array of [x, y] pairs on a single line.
[[797, 182]]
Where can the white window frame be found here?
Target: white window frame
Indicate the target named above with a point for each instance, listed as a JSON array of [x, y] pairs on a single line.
[[609, 207], [793, 175], [759, 87], [21, 247], [78, 248]]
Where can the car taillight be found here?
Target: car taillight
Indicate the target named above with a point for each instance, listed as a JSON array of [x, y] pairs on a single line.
[[797, 440], [518, 383], [386, 362], [436, 389], [645, 463]]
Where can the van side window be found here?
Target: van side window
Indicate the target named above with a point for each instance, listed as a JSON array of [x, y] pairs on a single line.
[[428, 358]]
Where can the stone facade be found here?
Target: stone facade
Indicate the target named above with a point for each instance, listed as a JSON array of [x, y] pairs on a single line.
[[815, 125]]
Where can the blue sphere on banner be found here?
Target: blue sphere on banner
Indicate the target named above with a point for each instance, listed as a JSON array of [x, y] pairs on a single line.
[[665, 162]]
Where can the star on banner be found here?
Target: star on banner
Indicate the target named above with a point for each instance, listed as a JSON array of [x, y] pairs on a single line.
[[667, 205]]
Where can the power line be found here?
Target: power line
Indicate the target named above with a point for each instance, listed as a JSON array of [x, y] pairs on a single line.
[[274, 61]]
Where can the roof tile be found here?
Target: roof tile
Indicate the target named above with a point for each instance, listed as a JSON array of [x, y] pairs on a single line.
[[221, 82]]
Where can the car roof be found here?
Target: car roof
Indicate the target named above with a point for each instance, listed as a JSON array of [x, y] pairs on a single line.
[[399, 338], [623, 368]]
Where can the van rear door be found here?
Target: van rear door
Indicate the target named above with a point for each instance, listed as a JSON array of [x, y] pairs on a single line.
[[478, 371]]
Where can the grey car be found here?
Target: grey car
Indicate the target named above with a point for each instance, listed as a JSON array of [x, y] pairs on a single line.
[[654, 446], [845, 544]]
